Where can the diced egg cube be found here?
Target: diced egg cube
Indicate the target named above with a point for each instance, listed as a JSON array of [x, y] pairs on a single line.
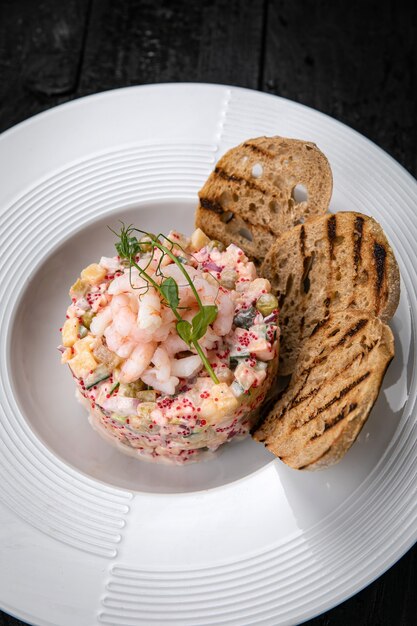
[[82, 364], [70, 332], [93, 274], [199, 239], [220, 403]]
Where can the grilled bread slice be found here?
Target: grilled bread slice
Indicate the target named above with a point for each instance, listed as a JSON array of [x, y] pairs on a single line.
[[330, 263], [260, 189], [331, 392]]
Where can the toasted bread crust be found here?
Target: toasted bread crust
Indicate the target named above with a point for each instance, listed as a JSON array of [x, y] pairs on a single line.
[[332, 390], [251, 197], [330, 263]]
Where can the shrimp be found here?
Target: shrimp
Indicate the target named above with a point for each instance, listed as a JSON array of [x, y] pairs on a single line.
[[206, 291], [162, 364], [129, 282], [149, 315], [122, 346], [137, 362], [186, 367], [209, 340], [174, 344], [100, 322], [124, 318], [162, 332], [173, 271], [168, 387], [222, 325], [124, 300]]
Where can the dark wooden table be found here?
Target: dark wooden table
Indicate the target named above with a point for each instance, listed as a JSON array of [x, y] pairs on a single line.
[[356, 61]]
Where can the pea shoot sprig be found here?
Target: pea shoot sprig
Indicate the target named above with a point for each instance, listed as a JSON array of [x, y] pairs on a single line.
[[129, 247]]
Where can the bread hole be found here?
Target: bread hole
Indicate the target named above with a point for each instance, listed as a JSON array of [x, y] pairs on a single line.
[[245, 232], [257, 170], [363, 341], [338, 275], [286, 320], [307, 147], [225, 198], [282, 263], [261, 201], [252, 207], [299, 194], [227, 217], [338, 240], [335, 297], [273, 206], [334, 332], [235, 197]]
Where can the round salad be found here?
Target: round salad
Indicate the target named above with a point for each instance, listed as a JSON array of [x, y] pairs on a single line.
[[172, 344]]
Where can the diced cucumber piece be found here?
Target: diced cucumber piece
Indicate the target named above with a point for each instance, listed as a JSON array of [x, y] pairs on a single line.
[[100, 374], [119, 418], [113, 389]]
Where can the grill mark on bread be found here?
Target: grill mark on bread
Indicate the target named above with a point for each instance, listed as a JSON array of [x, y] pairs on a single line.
[[352, 331], [211, 205], [357, 242], [331, 233], [302, 241], [380, 255], [342, 393], [298, 400], [240, 180], [258, 150], [319, 325], [335, 420]]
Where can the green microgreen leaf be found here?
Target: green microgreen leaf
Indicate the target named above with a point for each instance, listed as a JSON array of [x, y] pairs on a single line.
[[169, 290], [200, 322], [184, 329]]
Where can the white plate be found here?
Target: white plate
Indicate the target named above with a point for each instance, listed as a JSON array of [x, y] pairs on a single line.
[[88, 536]]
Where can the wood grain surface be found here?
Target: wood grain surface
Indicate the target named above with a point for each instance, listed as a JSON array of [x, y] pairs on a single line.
[[356, 61]]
